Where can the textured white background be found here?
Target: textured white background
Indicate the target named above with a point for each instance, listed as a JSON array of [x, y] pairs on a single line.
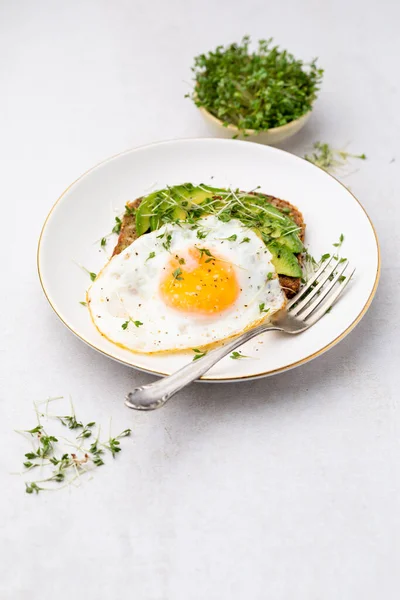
[[281, 488]]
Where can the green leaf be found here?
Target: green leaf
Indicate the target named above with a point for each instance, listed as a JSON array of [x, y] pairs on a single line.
[[31, 487], [237, 355], [36, 429], [129, 210], [71, 422], [177, 274], [125, 433], [130, 320], [262, 308], [198, 354], [328, 158], [206, 252], [117, 226], [167, 243]]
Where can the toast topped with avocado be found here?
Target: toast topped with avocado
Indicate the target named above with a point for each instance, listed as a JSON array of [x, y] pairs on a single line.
[[279, 224]]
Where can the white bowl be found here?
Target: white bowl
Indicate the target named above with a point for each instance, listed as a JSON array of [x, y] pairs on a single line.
[[270, 137]]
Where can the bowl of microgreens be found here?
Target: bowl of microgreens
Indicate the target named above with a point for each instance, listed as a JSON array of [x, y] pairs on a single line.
[[266, 95]]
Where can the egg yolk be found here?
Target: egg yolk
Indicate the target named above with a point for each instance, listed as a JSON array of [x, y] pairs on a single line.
[[199, 282]]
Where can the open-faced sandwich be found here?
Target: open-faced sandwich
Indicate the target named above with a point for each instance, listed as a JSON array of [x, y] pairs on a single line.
[[195, 265]]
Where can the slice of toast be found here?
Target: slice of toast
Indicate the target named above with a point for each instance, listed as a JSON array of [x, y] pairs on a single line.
[[290, 285]]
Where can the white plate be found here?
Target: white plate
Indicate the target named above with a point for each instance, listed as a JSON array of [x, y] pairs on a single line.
[[85, 212]]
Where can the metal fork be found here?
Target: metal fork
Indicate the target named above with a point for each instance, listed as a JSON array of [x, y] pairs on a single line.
[[300, 313]]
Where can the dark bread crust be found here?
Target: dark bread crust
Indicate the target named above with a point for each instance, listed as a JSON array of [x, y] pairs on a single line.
[[127, 233], [290, 285]]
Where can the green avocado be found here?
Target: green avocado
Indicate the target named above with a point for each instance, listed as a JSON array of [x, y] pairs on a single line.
[[291, 241], [284, 261], [180, 202], [143, 213], [275, 233], [184, 196], [198, 194], [179, 214], [155, 222], [260, 207]]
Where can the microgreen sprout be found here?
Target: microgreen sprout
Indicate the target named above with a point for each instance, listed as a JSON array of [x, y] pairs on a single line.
[[238, 355], [61, 467], [167, 243], [254, 90], [130, 320], [198, 354], [177, 274], [90, 273], [130, 210], [113, 443], [340, 242], [206, 252], [262, 308], [329, 159], [117, 226]]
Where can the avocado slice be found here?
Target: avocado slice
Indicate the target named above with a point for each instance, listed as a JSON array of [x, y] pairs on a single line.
[[276, 233], [185, 195], [179, 214], [291, 241], [258, 206], [284, 261], [197, 194], [143, 213], [155, 222], [177, 202]]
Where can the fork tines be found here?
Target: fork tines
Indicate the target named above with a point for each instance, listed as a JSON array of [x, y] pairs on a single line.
[[321, 291]]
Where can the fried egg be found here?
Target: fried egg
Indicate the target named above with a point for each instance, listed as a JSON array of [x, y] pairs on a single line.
[[185, 286]]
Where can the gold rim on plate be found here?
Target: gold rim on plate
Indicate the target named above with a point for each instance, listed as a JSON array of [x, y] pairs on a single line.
[[215, 379]]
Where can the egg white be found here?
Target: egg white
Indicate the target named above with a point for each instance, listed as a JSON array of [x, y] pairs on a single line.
[[127, 289]]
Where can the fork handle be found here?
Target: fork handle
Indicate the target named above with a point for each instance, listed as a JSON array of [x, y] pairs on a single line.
[[154, 395]]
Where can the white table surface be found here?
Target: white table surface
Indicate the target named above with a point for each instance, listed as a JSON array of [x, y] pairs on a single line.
[[280, 488]]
